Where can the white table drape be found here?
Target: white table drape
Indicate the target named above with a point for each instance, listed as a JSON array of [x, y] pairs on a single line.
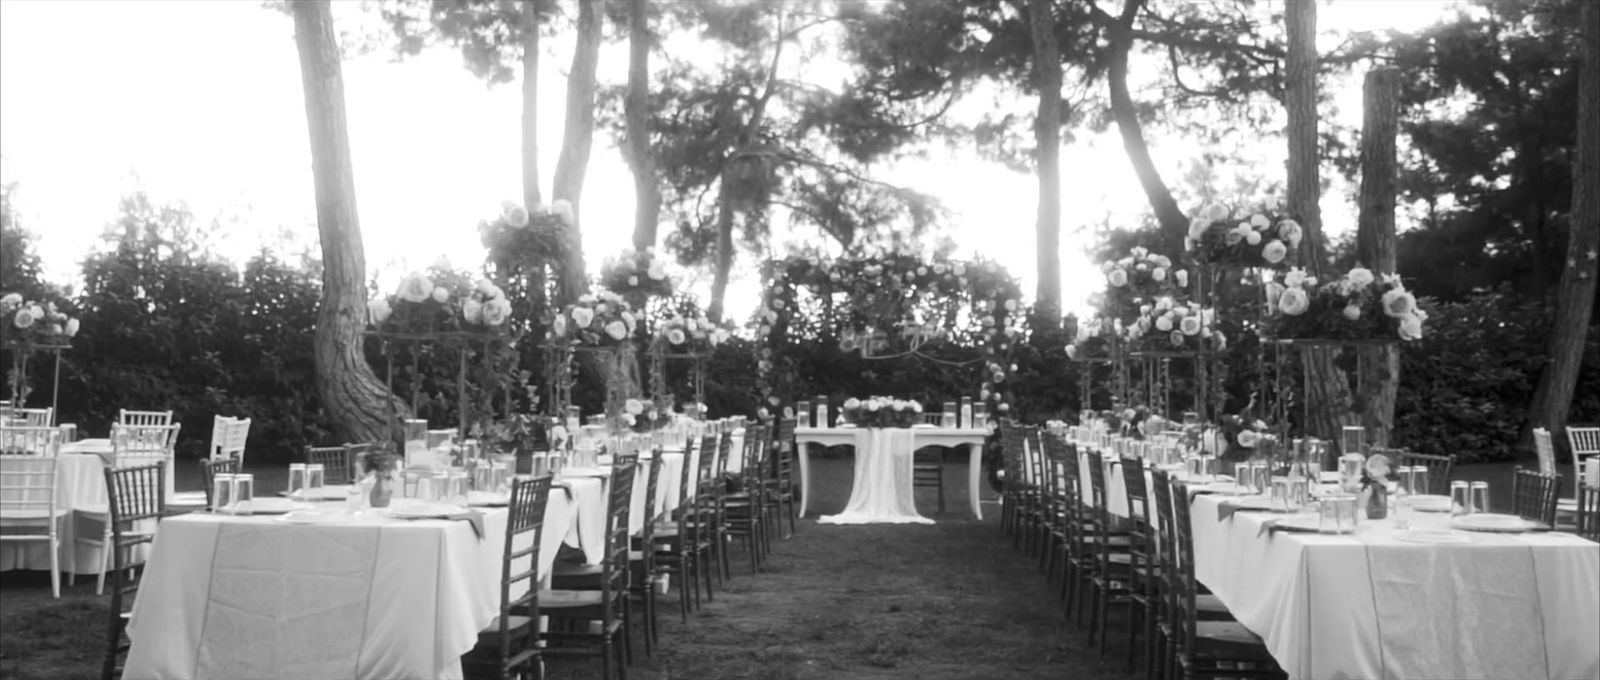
[[971, 438], [883, 490], [80, 485]]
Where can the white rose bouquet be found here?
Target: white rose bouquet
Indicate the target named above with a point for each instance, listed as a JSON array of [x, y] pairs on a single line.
[[440, 300], [30, 322], [882, 412], [1256, 238], [637, 273], [595, 320], [1358, 305]]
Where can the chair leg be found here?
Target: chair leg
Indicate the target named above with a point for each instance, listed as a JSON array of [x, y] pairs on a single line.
[[55, 566], [105, 561]]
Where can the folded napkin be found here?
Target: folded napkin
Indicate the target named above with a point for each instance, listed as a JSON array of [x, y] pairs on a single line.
[[472, 517], [1226, 508]]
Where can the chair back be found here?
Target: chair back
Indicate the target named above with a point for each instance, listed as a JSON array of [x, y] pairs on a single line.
[[725, 452], [1012, 451], [27, 487], [1588, 515], [35, 417], [1546, 450], [1138, 495], [933, 419], [228, 437], [133, 445], [145, 417], [30, 440], [519, 564], [1437, 477], [1183, 583], [337, 464], [1585, 445], [1058, 449], [614, 577], [784, 451], [1534, 496]]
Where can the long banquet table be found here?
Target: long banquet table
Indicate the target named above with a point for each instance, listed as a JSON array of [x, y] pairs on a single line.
[[230, 596], [863, 441], [1375, 605]]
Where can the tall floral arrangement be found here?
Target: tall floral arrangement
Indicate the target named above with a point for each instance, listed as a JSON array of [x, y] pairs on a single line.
[[1137, 280], [1259, 238], [600, 319], [1174, 326], [636, 273], [680, 333], [441, 301], [29, 323], [1356, 306], [1092, 339]]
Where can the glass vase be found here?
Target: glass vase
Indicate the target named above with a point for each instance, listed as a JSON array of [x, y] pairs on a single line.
[[382, 490]]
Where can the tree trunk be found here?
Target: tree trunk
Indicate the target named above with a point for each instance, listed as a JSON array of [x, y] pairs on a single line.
[[576, 140], [647, 195], [1174, 226], [1047, 137], [532, 199], [358, 404], [1375, 239], [1327, 391], [724, 261], [1552, 399]]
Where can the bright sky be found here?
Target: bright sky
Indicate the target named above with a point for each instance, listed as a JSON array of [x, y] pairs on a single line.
[[201, 101]]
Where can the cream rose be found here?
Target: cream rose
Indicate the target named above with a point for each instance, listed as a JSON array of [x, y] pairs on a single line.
[[515, 216], [1118, 278], [1274, 251], [617, 330], [415, 288], [441, 294], [582, 317], [1294, 302], [1190, 325], [1360, 276], [378, 310], [72, 327], [1411, 327], [1352, 312], [1248, 438], [675, 336], [1398, 303], [23, 319], [472, 311], [495, 312]]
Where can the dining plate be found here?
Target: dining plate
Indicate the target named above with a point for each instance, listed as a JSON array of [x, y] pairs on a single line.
[[1433, 536], [924, 426], [272, 506], [1250, 502], [1496, 523], [421, 510], [1427, 503], [319, 516], [488, 499], [326, 493], [584, 472]]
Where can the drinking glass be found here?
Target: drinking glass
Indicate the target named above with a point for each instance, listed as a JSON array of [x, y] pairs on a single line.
[[1480, 497], [1350, 465], [1419, 480], [315, 473], [1299, 492], [1328, 514], [1280, 495], [1401, 507], [1460, 500], [297, 478], [803, 414], [456, 487], [951, 418], [499, 477]]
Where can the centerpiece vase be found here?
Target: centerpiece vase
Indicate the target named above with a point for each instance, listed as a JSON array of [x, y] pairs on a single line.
[[382, 490]]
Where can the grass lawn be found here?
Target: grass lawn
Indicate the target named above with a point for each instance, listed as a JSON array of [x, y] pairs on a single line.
[[947, 601]]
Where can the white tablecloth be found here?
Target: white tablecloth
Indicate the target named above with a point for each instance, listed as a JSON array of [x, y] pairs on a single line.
[[666, 488], [883, 490], [80, 485], [381, 598], [846, 436], [1503, 607]]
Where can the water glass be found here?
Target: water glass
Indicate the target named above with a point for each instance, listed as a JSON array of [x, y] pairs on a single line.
[[1418, 480], [1480, 497], [455, 487], [297, 477], [952, 417], [1281, 495], [499, 477], [315, 473], [1338, 514], [1299, 492], [1401, 510], [1350, 466], [1460, 499], [803, 414]]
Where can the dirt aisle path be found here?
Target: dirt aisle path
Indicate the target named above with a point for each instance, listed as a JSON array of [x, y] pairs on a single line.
[[947, 601]]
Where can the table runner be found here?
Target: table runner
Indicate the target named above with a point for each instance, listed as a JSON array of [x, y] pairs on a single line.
[[882, 491], [1372, 606]]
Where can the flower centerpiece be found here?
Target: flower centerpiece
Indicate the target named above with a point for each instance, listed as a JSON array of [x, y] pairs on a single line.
[[636, 273], [440, 300], [1355, 306], [1169, 325], [601, 319], [1261, 238], [28, 323], [882, 412], [1244, 436], [642, 415]]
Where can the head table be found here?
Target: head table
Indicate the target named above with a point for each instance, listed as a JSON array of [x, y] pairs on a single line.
[[240, 596], [1388, 603], [882, 490]]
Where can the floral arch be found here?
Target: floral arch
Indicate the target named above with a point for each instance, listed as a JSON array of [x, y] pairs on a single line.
[[961, 315]]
